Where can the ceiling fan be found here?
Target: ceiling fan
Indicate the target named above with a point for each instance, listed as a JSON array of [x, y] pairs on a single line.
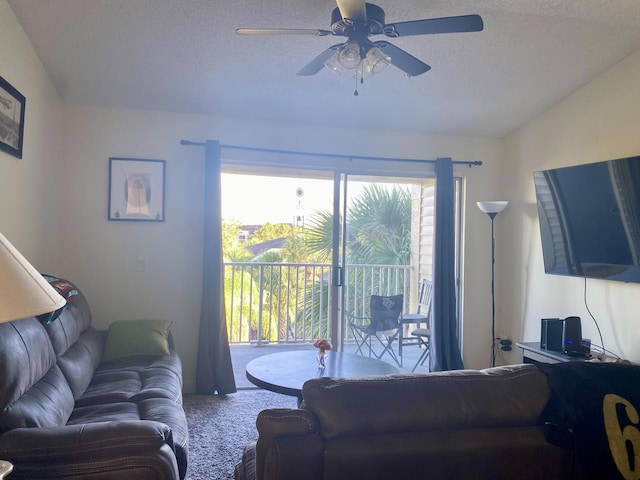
[[357, 20]]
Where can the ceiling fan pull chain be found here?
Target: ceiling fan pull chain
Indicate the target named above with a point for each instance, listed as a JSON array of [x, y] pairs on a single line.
[[355, 92]]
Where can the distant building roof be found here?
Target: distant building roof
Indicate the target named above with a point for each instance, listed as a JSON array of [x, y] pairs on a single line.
[[258, 248], [250, 228]]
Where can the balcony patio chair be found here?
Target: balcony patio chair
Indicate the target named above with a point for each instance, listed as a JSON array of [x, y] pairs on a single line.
[[422, 335], [383, 326], [421, 316]]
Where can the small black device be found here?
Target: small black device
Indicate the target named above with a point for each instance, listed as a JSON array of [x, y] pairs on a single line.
[[572, 336], [551, 334]]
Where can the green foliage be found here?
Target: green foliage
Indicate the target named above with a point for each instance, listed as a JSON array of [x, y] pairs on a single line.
[[271, 231], [296, 248], [233, 250], [314, 301], [242, 303], [378, 228], [269, 257], [319, 235]]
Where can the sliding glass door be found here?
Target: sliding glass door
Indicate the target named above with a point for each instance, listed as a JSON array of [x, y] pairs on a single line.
[[278, 277], [387, 242], [303, 247]]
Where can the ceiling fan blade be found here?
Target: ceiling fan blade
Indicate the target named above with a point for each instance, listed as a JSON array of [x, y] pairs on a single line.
[[464, 23], [403, 60], [282, 31], [354, 10], [315, 65]]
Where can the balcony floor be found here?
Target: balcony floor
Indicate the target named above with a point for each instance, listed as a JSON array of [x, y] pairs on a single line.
[[243, 354]]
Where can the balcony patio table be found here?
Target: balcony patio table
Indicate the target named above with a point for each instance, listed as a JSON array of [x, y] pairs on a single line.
[[286, 372]]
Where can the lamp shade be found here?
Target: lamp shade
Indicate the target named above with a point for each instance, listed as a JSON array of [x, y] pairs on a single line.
[[495, 206], [23, 291]]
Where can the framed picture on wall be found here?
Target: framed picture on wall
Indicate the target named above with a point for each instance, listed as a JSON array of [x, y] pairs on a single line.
[[136, 190], [12, 104]]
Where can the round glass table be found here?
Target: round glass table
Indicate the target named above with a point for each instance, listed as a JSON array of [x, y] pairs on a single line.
[[286, 372]]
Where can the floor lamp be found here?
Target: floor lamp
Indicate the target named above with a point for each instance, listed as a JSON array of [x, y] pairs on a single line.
[[492, 209], [23, 293]]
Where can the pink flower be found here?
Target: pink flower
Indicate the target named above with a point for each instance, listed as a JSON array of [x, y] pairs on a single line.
[[323, 344]]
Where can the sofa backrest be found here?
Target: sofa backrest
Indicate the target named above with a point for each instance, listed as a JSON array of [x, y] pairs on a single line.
[[77, 344], [33, 389], [497, 397]]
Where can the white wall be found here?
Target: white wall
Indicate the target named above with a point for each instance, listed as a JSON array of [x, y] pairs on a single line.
[[599, 122], [29, 187]]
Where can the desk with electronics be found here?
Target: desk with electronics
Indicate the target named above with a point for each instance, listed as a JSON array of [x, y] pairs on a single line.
[[532, 352], [560, 341]]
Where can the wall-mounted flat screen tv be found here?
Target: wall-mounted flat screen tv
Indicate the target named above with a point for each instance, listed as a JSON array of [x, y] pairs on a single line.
[[590, 219]]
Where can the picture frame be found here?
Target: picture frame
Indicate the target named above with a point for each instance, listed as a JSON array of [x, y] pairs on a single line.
[[136, 189], [12, 106]]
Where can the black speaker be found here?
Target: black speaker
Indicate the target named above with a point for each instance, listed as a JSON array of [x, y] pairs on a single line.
[[551, 334], [572, 336]]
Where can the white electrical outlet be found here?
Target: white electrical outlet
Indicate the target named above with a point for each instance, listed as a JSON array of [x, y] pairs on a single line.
[[141, 264]]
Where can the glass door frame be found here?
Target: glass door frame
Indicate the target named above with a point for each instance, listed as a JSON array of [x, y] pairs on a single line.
[[340, 189]]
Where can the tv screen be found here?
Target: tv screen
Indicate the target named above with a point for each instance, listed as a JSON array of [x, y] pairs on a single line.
[[590, 219]]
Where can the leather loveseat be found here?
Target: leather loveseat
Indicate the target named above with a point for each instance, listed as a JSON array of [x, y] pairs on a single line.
[[450, 425], [66, 413]]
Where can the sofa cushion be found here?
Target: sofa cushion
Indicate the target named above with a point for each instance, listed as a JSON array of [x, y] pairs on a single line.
[[77, 344], [484, 453], [162, 410], [34, 391], [438, 401], [135, 378], [64, 332], [137, 337], [80, 360]]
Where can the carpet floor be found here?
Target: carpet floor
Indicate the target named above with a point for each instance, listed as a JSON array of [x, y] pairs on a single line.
[[221, 425]]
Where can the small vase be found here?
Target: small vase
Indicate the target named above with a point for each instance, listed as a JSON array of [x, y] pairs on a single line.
[[322, 359]]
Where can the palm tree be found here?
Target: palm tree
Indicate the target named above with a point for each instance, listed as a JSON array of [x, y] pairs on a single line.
[[379, 226]]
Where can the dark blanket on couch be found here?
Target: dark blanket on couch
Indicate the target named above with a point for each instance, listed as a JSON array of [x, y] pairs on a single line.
[[596, 406]]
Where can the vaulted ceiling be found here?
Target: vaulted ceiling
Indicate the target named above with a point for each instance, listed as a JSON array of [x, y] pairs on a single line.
[[184, 56]]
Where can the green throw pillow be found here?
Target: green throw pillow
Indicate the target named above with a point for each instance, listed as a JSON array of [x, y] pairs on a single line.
[[136, 337]]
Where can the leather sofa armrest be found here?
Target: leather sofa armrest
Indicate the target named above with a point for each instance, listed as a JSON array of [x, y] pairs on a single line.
[[120, 449], [289, 445]]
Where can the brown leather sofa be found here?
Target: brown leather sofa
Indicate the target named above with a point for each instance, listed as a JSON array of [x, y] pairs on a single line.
[[66, 414], [453, 425]]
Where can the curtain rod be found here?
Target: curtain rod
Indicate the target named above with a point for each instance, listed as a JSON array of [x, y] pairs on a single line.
[[331, 155]]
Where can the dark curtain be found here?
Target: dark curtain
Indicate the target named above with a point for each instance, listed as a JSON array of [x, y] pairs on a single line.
[[214, 372], [445, 349]]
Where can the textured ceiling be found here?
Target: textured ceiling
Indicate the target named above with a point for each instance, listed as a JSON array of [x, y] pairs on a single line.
[[184, 56]]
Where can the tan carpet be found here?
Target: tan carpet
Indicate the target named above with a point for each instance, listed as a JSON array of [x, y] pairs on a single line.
[[220, 426]]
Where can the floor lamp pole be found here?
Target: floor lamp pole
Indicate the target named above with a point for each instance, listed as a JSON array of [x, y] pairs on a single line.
[[493, 292], [492, 209]]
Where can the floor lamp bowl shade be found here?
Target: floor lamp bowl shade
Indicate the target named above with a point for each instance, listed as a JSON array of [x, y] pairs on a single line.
[[24, 292], [494, 207]]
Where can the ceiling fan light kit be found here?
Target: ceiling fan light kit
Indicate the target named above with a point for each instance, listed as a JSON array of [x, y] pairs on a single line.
[[349, 57], [357, 20]]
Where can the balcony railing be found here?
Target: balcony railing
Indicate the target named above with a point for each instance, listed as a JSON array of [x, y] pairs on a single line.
[[291, 302]]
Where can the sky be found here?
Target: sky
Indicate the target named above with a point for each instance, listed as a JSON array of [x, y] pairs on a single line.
[[254, 200]]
